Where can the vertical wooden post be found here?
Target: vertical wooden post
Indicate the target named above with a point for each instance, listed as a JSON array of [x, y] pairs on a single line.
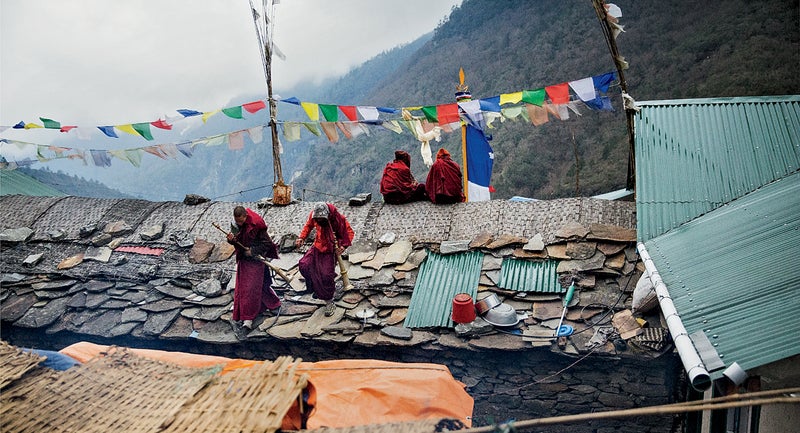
[[463, 88]]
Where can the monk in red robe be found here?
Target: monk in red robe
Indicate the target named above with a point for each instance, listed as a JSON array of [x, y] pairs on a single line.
[[398, 185], [318, 265], [253, 293], [444, 183]]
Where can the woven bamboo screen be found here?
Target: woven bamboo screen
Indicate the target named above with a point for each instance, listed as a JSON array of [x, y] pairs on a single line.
[[124, 392], [14, 363]]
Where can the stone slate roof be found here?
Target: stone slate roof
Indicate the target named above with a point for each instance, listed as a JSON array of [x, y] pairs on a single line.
[[160, 270]]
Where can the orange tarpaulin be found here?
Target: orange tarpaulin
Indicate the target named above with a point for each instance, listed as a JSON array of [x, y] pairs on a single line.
[[349, 392]]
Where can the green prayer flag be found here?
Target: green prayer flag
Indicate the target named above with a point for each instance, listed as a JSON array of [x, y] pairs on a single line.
[[430, 113], [330, 112], [143, 129], [312, 128], [535, 97], [233, 112], [49, 123]]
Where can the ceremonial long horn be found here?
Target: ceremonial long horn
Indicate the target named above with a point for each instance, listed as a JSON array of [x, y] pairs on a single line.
[[277, 270], [342, 270]]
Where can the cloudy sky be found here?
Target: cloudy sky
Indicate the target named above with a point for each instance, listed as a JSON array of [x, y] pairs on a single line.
[[101, 62]]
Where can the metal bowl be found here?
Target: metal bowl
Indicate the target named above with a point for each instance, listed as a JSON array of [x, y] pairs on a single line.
[[502, 315], [487, 303]]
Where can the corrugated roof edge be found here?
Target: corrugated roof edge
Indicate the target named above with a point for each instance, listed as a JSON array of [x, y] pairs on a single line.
[[729, 100]]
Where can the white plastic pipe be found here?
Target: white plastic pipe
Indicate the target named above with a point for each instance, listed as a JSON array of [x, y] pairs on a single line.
[[698, 375]]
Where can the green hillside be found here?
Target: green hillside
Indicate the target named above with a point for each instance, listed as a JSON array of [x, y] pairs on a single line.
[[681, 49]]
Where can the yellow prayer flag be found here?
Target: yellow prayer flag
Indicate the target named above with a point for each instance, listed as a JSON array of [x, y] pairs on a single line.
[[312, 110], [127, 128], [208, 114], [510, 98], [32, 126]]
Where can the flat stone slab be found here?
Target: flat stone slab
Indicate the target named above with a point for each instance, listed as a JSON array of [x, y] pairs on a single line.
[[287, 261], [611, 233], [20, 234], [356, 272], [218, 332], [361, 251], [398, 252], [593, 263], [413, 261], [99, 254], [315, 325], [209, 287], [397, 332], [157, 323], [498, 342], [452, 247], [44, 316], [377, 261], [536, 243]]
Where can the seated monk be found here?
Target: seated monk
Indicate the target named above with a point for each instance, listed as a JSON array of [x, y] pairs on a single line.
[[444, 180], [398, 186]]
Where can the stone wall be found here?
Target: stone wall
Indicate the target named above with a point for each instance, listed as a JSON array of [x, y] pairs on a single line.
[[505, 385]]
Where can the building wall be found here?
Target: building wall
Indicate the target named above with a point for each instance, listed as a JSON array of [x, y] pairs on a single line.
[[506, 385]]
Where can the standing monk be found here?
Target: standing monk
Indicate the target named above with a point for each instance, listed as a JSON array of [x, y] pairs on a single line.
[[318, 265], [253, 293], [444, 180], [398, 185]]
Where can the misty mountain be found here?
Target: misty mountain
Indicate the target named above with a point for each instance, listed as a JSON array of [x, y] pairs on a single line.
[[680, 49]]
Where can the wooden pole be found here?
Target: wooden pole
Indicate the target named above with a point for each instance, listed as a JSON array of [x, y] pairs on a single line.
[[463, 88], [281, 193], [602, 15]]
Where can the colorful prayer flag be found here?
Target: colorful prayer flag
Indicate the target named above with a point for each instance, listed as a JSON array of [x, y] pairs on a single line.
[[480, 159], [233, 112], [50, 124], [254, 107], [188, 113], [162, 124], [109, 131], [330, 112], [447, 113], [143, 129]]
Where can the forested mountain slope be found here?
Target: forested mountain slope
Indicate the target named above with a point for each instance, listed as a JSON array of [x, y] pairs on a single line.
[[679, 49]]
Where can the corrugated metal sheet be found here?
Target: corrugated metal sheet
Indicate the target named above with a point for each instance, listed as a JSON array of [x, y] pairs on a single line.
[[15, 182], [694, 155], [529, 276], [739, 282], [440, 278]]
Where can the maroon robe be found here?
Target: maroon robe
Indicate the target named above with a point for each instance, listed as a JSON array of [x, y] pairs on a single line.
[[318, 265], [444, 183], [398, 185], [253, 293]]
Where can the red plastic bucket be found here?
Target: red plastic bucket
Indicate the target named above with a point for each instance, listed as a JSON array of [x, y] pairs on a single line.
[[463, 308]]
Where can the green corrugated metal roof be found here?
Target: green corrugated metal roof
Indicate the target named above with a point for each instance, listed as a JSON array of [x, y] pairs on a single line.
[[13, 182], [529, 276], [694, 155], [734, 274], [440, 278]]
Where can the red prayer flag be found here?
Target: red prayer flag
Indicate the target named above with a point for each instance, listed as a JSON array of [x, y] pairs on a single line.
[[67, 128], [161, 124], [447, 113], [349, 112], [253, 107], [558, 93]]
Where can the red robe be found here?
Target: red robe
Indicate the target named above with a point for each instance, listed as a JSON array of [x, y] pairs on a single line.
[[253, 293], [444, 181], [398, 185], [318, 265]]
